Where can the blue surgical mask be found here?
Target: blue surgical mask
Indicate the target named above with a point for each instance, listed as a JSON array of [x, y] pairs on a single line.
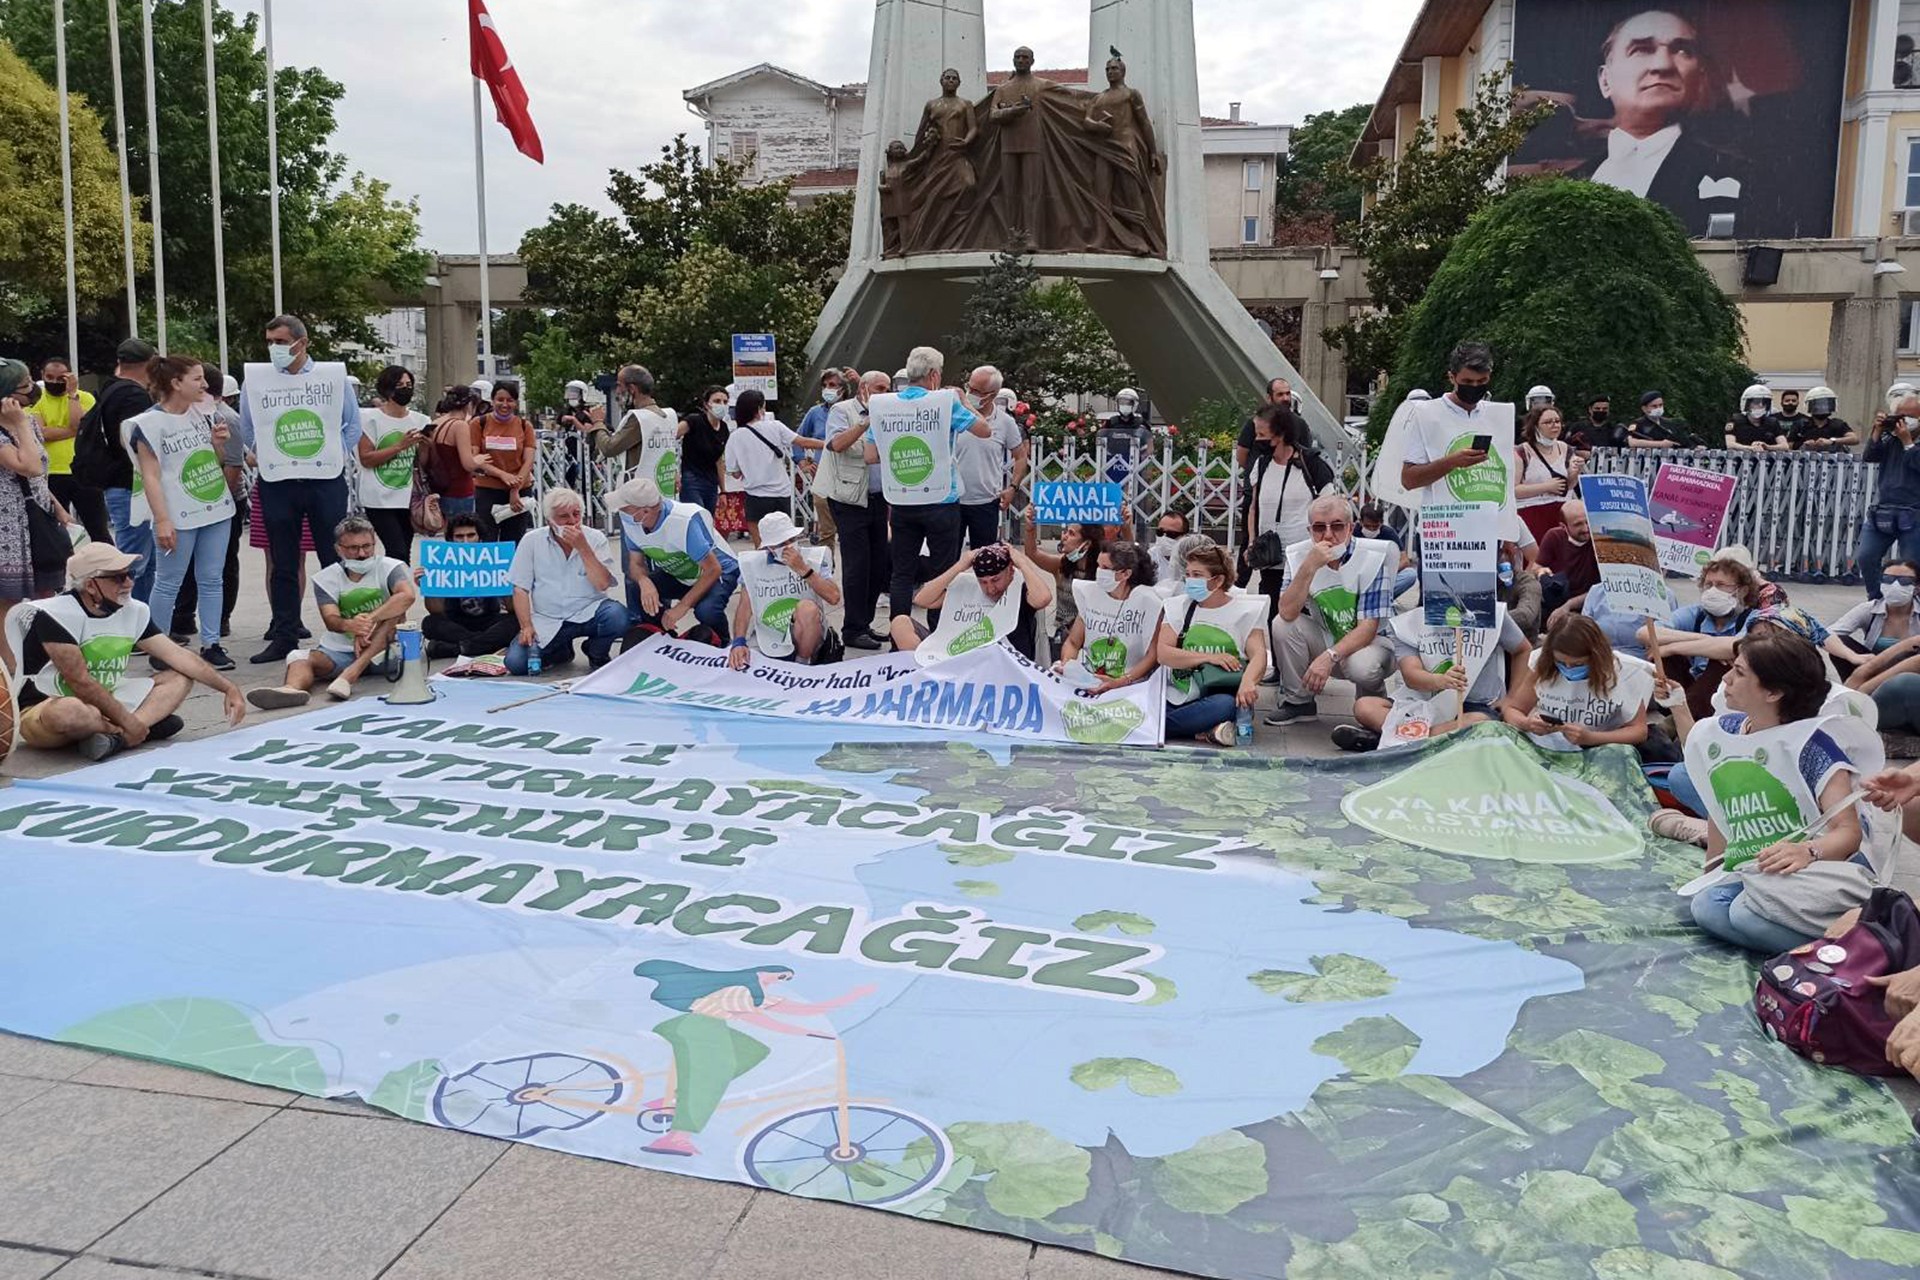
[[1571, 672], [1506, 574], [281, 353], [1197, 589], [1076, 555]]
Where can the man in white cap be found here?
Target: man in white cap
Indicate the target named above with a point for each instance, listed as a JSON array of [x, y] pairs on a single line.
[[676, 564], [73, 650], [786, 597]]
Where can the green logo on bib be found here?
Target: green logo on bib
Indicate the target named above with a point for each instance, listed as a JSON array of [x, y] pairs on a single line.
[[299, 433], [678, 564], [1758, 808], [910, 460], [1489, 797], [1484, 483], [1339, 609], [779, 614], [1105, 724], [1108, 657], [666, 473], [1202, 637], [396, 472], [106, 659], [201, 476], [981, 632], [355, 601]]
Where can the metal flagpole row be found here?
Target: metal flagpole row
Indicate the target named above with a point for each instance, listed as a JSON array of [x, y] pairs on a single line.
[[273, 161], [120, 144], [480, 196], [213, 165], [66, 178], [153, 180]]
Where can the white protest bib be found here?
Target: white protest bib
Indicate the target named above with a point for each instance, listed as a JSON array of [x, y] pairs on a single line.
[[1221, 630], [193, 484], [1841, 701], [915, 440], [296, 420], [106, 645], [969, 621], [1443, 431], [1119, 632], [1414, 714], [659, 448], [1334, 595], [389, 486], [1575, 702], [666, 547], [774, 591], [1752, 783], [355, 596]]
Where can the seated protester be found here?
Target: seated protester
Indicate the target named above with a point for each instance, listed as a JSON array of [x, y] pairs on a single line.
[[73, 649], [1327, 621], [1436, 695], [675, 561], [1622, 630], [1875, 626], [1374, 526], [1729, 598], [1113, 639], [1579, 693], [1079, 554], [787, 592], [466, 626], [561, 574], [1567, 555], [977, 607], [1773, 766], [1171, 585], [363, 598], [1214, 647], [1168, 530]]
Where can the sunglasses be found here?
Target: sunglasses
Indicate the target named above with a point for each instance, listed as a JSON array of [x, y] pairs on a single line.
[[1889, 579], [1325, 527], [118, 575]]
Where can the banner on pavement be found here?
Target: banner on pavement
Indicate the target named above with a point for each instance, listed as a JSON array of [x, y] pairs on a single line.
[[1459, 563], [465, 568], [987, 690], [1071, 502], [1622, 539], [1688, 507]]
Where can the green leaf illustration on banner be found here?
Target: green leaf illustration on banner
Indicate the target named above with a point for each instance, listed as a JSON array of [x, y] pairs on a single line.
[[975, 855], [210, 1034], [1853, 1226], [1335, 978], [1645, 1264], [978, 888], [1148, 1079], [405, 1091], [1164, 989], [1215, 1175], [1105, 723], [1573, 1208], [1125, 921], [1370, 1048], [1032, 1172]]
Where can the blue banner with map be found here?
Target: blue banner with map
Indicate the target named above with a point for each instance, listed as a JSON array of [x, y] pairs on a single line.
[[1429, 1012]]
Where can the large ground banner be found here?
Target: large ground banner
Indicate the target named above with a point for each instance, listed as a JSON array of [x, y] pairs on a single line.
[[1224, 1014]]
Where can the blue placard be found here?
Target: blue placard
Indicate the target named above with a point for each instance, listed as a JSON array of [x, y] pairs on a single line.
[[1068, 502], [465, 568]]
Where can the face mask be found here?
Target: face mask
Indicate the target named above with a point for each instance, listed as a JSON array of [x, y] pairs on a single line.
[[829, 394], [1657, 412], [1790, 409], [1756, 414], [56, 386], [502, 414], [403, 395], [1470, 395], [1910, 423], [361, 567], [281, 353], [573, 400], [717, 410], [1506, 574], [1598, 415], [1126, 408], [1571, 672], [1897, 594], [1104, 579], [1718, 602], [1076, 555], [1197, 589]]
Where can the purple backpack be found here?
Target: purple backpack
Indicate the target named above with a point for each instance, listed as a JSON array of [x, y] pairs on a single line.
[[1817, 1001]]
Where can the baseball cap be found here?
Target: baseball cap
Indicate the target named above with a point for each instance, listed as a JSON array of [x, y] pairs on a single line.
[[94, 559], [133, 351], [641, 491], [777, 529]]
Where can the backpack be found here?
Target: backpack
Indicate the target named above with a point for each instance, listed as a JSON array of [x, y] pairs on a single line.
[[1816, 999], [99, 459]]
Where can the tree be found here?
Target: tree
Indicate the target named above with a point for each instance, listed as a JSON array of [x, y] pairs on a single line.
[[1590, 289], [1078, 357], [1043, 337], [32, 238], [343, 239], [1317, 194], [552, 360], [591, 269], [1422, 200]]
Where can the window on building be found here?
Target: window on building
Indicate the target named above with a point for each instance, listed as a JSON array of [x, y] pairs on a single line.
[[1250, 229], [1910, 175], [1909, 328], [1253, 174], [744, 149]]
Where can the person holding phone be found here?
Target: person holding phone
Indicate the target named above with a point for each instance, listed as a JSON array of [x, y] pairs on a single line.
[[1455, 433], [1578, 691], [388, 442]]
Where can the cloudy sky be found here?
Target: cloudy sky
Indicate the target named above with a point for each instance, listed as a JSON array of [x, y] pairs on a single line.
[[605, 78]]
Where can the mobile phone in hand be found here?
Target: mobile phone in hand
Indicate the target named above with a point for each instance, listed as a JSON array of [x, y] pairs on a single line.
[[1551, 719], [1482, 444]]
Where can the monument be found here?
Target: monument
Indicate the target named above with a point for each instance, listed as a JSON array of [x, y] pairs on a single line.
[[1104, 187]]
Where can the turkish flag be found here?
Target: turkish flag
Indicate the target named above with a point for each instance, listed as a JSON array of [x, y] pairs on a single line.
[[491, 64]]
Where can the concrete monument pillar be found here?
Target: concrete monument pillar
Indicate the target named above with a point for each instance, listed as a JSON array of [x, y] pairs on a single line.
[[1860, 356]]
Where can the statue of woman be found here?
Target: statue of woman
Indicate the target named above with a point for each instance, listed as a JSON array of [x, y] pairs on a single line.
[[940, 170], [1124, 173]]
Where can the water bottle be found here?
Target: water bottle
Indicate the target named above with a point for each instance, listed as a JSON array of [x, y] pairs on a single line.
[[533, 659], [1243, 727]]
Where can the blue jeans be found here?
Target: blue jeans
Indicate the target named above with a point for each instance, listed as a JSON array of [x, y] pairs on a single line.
[[1898, 700], [1680, 786], [607, 625], [456, 506], [1191, 719], [136, 540], [205, 549], [1405, 580], [1873, 549], [702, 491], [1722, 911], [711, 608]]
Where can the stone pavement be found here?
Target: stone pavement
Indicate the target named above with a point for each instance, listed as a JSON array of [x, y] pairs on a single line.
[[117, 1169]]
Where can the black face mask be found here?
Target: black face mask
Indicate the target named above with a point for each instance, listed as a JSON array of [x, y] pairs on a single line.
[[1470, 395], [1597, 415], [55, 386], [402, 395]]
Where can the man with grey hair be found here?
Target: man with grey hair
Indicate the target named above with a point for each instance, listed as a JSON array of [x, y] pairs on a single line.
[[916, 442], [647, 441], [363, 597], [1338, 590], [986, 486], [849, 479], [301, 420], [561, 574], [677, 566]]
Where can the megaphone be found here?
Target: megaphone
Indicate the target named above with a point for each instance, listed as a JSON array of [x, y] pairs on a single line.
[[412, 687]]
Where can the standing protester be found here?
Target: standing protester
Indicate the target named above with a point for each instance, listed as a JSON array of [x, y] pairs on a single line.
[[101, 459], [300, 419], [1653, 429], [23, 497], [849, 476], [561, 574], [647, 441], [387, 447], [990, 468], [1788, 419], [177, 447], [1757, 429], [1820, 431], [922, 482], [1548, 473], [219, 409], [835, 385], [757, 456], [61, 407], [363, 598], [1894, 517], [1286, 478], [1601, 430], [452, 459], [703, 447], [786, 593], [505, 451], [1338, 591], [1247, 448], [465, 626], [676, 563]]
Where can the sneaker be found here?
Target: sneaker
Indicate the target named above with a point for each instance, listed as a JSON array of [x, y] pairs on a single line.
[[97, 747], [1271, 678], [226, 629], [1675, 825], [216, 657], [1223, 733], [165, 727], [438, 649], [1351, 737], [863, 640], [340, 690], [278, 699], [181, 638], [1292, 713]]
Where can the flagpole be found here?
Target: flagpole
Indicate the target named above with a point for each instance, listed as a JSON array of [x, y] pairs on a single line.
[[213, 165], [66, 179], [273, 163], [153, 182], [480, 192], [120, 142]]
